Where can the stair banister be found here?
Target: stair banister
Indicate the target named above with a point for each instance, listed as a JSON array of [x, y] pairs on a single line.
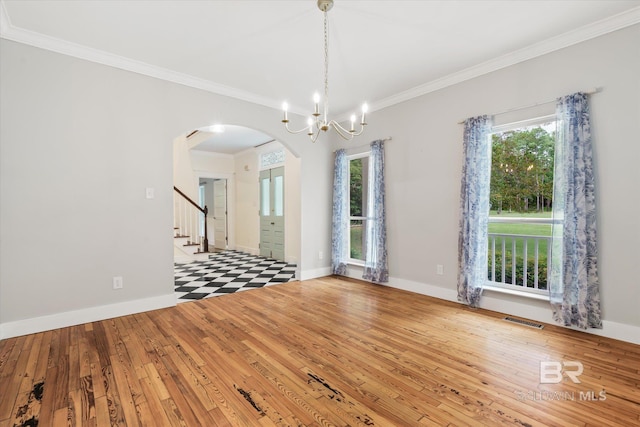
[[205, 211]]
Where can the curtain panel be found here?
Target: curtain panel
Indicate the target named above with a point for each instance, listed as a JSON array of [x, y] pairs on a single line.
[[474, 210], [376, 265], [574, 285], [340, 220]]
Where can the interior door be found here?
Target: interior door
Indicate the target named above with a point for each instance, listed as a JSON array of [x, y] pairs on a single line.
[[272, 213], [220, 213]]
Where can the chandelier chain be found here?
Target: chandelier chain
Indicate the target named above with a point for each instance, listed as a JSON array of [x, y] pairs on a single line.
[[326, 68], [319, 122]]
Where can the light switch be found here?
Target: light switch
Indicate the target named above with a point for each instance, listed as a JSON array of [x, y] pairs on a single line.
[[150, 193]]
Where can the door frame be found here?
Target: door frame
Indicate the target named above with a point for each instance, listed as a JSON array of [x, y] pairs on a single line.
[[231, 197]]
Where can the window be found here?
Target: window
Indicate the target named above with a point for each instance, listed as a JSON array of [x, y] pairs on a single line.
[[358, 200], [521, 197], [271, 159], [265, 187], [278, 195]]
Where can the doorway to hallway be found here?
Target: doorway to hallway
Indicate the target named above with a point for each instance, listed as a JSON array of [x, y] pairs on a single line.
[[213, 194]]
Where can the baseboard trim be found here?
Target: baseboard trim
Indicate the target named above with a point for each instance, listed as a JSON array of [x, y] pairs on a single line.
[[315, 273], [78, 317], [533, 310], [247, 250], [539, 311]]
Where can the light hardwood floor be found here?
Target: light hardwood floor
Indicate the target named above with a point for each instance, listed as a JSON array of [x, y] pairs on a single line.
[[315, 353]]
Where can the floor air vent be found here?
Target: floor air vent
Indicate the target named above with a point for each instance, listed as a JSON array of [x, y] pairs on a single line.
[[524, 322]]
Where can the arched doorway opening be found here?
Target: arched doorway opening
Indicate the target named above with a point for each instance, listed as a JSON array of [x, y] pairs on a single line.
[[232, 158]]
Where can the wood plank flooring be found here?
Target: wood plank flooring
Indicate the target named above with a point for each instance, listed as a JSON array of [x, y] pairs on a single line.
[[324, 352]]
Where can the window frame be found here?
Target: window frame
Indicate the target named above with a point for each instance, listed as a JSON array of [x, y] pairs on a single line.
[[509, 288], [364, 219]]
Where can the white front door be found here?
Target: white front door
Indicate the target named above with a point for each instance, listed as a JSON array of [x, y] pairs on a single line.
[[272, 213], [220, 213]]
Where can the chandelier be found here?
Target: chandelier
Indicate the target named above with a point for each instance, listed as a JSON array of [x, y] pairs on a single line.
[[320, 121]]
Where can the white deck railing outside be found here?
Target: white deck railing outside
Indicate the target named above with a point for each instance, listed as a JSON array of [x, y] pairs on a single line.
[[519, 262]]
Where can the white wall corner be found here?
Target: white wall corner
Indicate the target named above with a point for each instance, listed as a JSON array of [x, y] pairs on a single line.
[[87, 315]]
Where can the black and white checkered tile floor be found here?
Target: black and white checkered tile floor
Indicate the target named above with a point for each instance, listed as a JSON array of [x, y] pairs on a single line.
[[227, 272]]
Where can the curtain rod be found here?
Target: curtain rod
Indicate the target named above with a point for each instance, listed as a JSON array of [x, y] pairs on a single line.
[[364, 145], [588, 92]]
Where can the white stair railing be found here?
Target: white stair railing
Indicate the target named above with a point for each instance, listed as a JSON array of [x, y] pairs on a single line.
[[186, 217]]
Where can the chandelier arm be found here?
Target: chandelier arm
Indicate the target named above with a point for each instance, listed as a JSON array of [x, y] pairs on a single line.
[[344, 134], [354, 133], [286, 126], [339, 128], [314, 137]]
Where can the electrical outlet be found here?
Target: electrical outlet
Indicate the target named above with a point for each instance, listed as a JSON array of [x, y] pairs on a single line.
[[117, 282], [320, 255], [150, 193], [440, 269]]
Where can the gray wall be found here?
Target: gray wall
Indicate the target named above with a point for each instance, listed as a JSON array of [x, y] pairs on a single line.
[[424, 164], [95, 137]]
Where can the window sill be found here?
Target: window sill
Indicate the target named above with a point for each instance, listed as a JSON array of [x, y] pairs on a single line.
[[356, 263], [516, 292]]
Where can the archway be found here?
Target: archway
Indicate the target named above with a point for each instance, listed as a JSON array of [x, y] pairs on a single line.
[[236, 154]]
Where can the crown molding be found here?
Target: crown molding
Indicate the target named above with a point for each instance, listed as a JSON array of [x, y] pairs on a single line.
[[10, 32], [5, 22], [587, 32], [616, 22]]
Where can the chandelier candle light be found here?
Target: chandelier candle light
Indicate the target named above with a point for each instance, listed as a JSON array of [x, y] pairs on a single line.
[[320, 122]]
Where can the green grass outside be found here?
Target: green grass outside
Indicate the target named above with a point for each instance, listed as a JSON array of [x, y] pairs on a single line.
[[522, 229], [546, 214], [356, 242]]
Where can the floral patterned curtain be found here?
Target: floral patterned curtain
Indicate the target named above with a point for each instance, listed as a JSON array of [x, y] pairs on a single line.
[[574, 286], [375, 265], [340, 222], [474, 210]]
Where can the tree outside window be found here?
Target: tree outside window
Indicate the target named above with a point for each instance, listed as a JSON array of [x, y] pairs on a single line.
[[521, 194], [358, 185]]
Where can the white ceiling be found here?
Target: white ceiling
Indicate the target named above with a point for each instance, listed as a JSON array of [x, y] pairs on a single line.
[[231, 140], [381, 52]]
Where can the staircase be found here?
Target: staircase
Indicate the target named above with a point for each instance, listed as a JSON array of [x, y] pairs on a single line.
[[188, 240]]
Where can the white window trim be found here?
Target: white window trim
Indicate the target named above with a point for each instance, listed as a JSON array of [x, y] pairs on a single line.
[[523, 123], [350, 157], [507, 288], [500, 288]]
